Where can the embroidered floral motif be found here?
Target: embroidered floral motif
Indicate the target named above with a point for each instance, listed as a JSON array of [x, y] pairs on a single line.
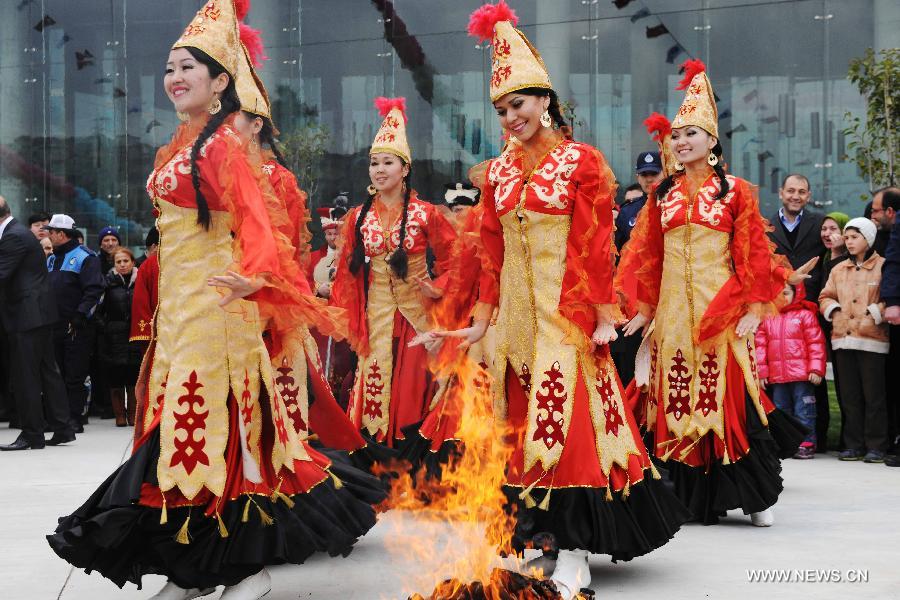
[[552, 181], [500, 75], [372, 392], [709, 207], [550, 401], [189, 451], [709, 376], [164, 180], [501, 48], [504, 175], [268, 169], [416, 224], [611, 413], [288, 391], [654, 358], [679, 387], [416, 220], [674, 201], [246, 400]]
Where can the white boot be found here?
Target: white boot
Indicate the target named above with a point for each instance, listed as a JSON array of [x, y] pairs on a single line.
[[572, 573], [251, 588], [764, 518], [171, 591]]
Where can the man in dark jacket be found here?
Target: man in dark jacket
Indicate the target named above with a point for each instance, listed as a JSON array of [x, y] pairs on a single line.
[[797, 232], [28, 313], [885, 206], [77, 286]]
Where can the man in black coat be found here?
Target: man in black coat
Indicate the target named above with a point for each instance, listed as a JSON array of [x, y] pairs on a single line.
[[28, 313], [797, 231]]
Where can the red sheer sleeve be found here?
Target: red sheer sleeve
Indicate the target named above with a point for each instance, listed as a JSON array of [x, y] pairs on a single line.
[[347, 290], [640, 266], [294, 200], [492, 255], [262, 249], [143, 305], [441, 238], [587, 284], [758, 279]]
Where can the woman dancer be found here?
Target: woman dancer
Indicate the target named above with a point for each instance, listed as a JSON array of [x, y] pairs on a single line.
[[219, 485], [706, 272], [295, 356], [578, 469], [383, 282]]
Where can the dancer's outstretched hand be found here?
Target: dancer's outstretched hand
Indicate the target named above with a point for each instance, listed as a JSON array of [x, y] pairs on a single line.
[[603, 334], [638, 323], [240, 286], [470, 335], [428, 289], [802, 273], [747, 324]]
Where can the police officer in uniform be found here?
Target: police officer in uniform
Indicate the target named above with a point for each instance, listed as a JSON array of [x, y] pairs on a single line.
[[77, 285]]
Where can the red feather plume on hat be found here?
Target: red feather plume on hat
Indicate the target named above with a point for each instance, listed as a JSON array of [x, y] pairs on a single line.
[[483, 20], [241, 8], [658, 126], [690, 67], [385, 105], [252, 40]]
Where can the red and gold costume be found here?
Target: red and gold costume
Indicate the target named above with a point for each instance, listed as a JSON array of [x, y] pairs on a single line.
[[220, 483], [578, 465], [701, 262], [393, 388]]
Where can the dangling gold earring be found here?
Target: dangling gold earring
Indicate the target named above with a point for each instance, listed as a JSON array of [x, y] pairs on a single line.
[[371, 189], [183, 117], [679, 166], [546, 120], [712, 159], [215, 107]]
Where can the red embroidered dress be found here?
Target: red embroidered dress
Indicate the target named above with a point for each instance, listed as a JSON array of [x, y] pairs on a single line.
[[392, 387], [578, 452], [220, 483], [701, 263]]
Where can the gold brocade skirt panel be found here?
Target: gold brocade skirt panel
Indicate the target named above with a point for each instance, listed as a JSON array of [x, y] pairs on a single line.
[[387, 294], [537, 342], [203, 353], [687, 380]]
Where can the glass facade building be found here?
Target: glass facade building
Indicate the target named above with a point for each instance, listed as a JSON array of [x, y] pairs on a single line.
[[82, 108]]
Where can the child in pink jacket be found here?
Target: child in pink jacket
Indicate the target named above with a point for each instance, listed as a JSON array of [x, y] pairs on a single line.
[[790, 353]]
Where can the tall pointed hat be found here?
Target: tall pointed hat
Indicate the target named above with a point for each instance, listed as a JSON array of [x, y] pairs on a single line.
[[214, 30], [391, 136], [515, 63], [660, 130], [699, 106], [250, 89]]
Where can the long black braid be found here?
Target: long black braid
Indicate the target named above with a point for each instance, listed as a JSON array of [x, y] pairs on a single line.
[[230, 105], [666, 184], [358, 259], [399, 261], [267, 136]]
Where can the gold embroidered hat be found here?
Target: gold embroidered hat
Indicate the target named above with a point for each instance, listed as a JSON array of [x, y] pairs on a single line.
[[250, 89], [391, 136], [660, 130], [699, 106], [515, 63], [214, 30]]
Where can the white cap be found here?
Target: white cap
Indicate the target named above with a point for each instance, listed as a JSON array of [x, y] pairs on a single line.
[[60, 222], [865, 226]]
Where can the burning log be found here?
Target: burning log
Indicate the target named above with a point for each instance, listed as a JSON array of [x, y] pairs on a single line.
[[502, 585]]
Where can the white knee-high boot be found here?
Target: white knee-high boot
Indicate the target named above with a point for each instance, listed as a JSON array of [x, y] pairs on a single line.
[[572, 573], [170, 591]]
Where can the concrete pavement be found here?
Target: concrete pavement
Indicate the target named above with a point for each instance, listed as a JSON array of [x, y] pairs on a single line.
[[834, 520]]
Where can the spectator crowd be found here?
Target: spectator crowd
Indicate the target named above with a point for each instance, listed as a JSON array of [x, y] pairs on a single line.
[[65, 311]]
